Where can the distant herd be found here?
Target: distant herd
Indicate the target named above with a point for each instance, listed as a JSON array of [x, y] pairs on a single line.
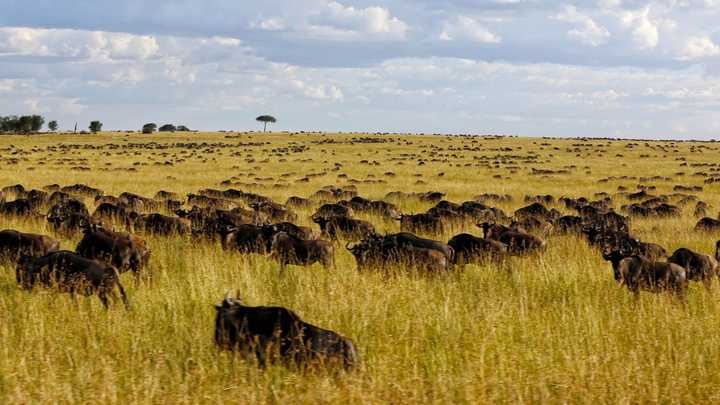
[[250, 223]]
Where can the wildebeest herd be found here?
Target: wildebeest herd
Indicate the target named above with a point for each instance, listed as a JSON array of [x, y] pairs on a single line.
[[112, 243]]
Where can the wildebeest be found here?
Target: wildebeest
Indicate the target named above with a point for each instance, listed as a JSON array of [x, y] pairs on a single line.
[[70, 272], [422, 223], [629, 245], [698, 266], [471, 249], [639, 273], [516, 241], [288, 249], [82, 190], [568, 224], [14, 244], [21, 207], [403, 249], [378, 207], [275, 211], [247, 238], [111, 214], [708, 225], [299, 202], [123, 250], [276, 333], [344, 228], [333, 210], [65, 208], [159, 224], [538, 211]]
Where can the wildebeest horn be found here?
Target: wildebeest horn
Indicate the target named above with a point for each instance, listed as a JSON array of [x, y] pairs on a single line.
[[228, 297], [347, 246]]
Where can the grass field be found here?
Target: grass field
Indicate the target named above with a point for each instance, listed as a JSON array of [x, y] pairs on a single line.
[[554, 329]]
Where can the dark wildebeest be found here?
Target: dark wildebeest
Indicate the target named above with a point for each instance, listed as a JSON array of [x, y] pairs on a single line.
[[299, 202], [708, 225], [210, 202], [208, 222], [159, 224], [21, 207], [639, 273], [65, 208], [517, 242], [302, 232], [81, 190], [288, 249], [629, 245], [275, 211], [532, 225], [422, 223], [471, 249], [111, 214], [139, 203], [344, 228], [333, 210], [71, 273], [247, 238], [400, 249], [276, 333], [568, 224], [698, 266], [538, 211], [122, 250], [14, 244], [163, 195]]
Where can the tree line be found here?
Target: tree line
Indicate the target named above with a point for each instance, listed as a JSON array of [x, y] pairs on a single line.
[[24, 124]]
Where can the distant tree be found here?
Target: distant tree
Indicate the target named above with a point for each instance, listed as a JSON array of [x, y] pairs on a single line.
[[149, 128], [25, 124], [167, 128], [53, 125], [182, 128], [265, 119], [36, 122], [95, 126]]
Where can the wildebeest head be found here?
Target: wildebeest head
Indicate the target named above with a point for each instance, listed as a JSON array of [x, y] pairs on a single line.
[[228, 321]]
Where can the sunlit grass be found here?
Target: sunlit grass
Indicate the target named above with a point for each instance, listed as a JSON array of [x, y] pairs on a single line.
[[551, 328]]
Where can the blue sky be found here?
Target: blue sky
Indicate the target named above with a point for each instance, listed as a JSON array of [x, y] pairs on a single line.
[[621, 68]]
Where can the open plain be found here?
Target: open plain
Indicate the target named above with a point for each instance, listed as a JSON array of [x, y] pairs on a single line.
[[549, 327]]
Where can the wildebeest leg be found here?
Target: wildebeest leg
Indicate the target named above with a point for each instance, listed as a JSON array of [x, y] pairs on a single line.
[[103, 298], [123, 296], [707, 281]]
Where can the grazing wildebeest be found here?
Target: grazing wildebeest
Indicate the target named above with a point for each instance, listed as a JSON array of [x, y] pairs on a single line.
[[568, 224], [276, 333], [21, 207], [344, 228], [71, 273], [639, 273], [275, 211], [422, 223], [159, 224], [698, 266], [208, 222], [122, 250], [471, 249], [708, 225], [517, 242], [14, 244], [333, 210], [538, 211], [288, 249], [379, 207], [403, 249], [210, 202], [247, 238], [629, 245], [63, 209], [302, 232], [299, 202], [111, 214], [139, 203]]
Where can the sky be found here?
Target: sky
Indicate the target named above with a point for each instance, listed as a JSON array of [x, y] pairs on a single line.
[[605, 68]]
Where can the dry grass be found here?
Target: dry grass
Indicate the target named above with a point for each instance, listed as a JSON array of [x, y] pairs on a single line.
[[556, 328]]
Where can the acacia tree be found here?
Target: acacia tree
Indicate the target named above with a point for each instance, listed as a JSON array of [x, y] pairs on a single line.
[[265, 119], [53, 125], [95, 126], [149, 128]]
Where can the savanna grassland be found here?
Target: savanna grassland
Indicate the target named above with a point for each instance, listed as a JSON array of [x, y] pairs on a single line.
[[554, 328]]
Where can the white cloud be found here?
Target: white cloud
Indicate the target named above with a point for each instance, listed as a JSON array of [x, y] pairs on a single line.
[[589, 33], [468, 29], [698, 48], [645, 27]]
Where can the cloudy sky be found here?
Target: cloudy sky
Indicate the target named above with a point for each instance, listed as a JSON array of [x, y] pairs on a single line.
[[625, 68]]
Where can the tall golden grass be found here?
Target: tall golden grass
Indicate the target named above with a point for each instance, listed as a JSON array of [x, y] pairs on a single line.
[[551, 328]]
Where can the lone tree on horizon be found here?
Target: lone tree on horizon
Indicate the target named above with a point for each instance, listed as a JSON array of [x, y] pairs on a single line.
[[265, 119], [95, 126], [53, 125]]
